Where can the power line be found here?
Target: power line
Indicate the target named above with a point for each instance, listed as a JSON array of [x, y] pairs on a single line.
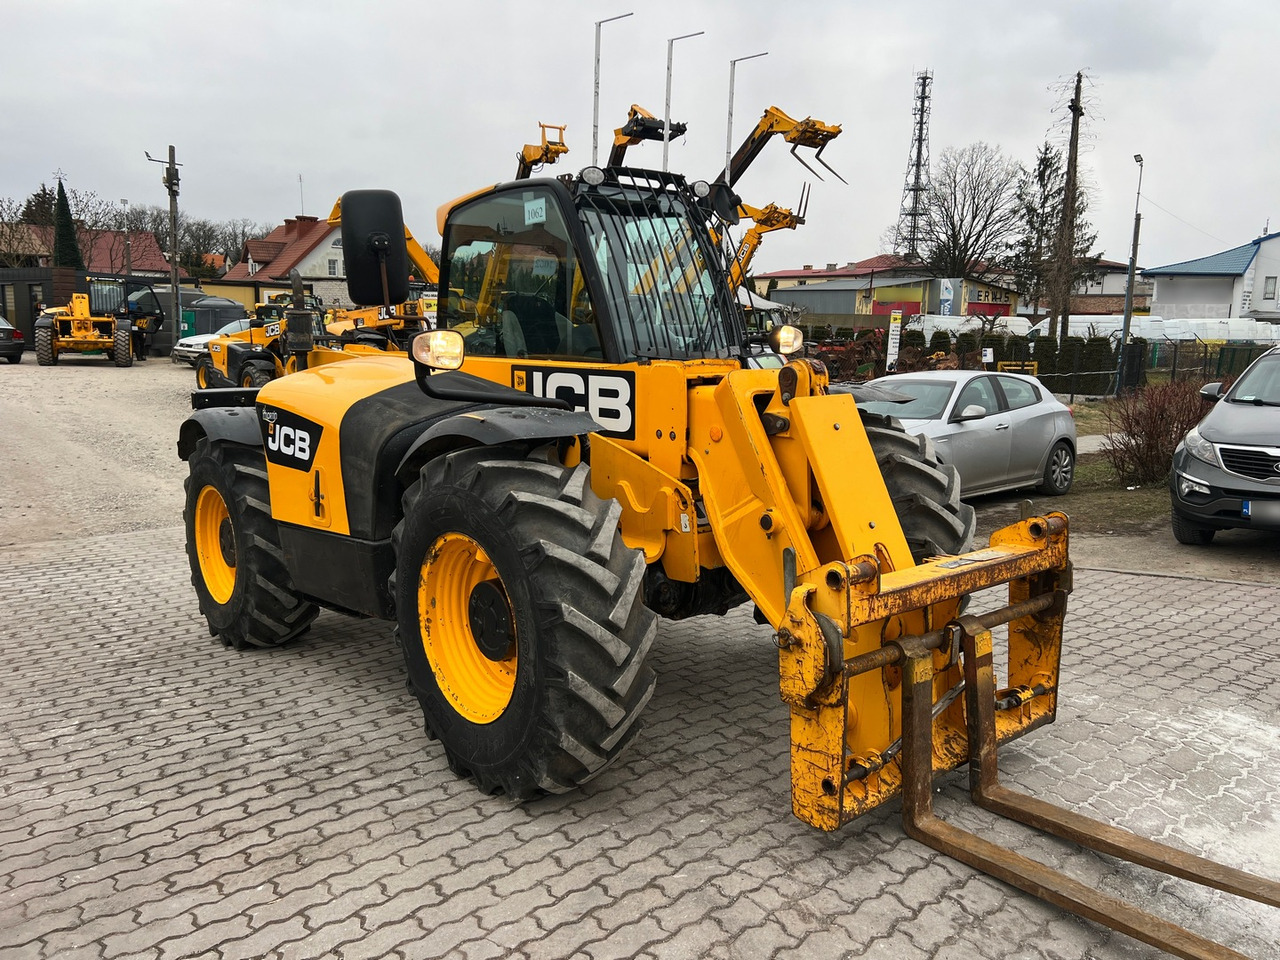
[[1147, 197]]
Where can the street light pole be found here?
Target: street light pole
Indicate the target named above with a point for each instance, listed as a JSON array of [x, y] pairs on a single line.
[[666, 117], [1128, 292], [595, 109], [728, 137], [128, 251]]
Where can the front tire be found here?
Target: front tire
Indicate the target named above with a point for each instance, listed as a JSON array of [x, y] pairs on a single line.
[[521, 619], [122, 348], [925, 491], [1189, 533], [255, 377], [46, 355], [237, 566]]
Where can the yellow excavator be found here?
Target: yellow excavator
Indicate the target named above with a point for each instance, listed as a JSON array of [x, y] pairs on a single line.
[[539, 481]]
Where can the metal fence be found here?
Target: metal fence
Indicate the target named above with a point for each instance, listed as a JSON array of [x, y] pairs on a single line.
[[1079, 367]]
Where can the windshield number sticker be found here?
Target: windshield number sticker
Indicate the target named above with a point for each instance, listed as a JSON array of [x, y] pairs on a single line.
[[535, 211]]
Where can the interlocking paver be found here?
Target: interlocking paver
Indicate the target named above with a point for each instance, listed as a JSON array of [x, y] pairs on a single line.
[[165, 796]]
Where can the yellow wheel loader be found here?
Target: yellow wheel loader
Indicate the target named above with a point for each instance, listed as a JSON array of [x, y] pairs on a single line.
[[550, 471]]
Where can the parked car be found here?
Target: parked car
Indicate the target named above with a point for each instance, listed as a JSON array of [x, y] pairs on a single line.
[[11, 342], [1226, 471], [189, 349], [1002, 431]]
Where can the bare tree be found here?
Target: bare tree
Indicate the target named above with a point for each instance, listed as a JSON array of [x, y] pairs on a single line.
[[971, 215]]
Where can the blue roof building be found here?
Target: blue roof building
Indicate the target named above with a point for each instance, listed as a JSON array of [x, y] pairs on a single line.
[[1239, 282]]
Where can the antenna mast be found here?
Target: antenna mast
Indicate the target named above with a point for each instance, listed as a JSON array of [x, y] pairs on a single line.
[[906, 237]]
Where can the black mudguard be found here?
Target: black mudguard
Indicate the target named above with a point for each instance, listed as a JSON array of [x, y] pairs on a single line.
[[233, 424]]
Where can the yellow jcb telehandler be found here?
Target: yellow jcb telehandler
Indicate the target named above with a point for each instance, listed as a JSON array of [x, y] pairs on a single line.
[[541, 480]]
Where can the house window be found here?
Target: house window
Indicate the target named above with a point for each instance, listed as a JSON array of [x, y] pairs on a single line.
[[1269, 288], [333, 268]]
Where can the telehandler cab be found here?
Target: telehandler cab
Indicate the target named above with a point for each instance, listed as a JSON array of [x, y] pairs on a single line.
[[541, 479]]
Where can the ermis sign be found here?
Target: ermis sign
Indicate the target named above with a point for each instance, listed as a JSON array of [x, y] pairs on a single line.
[[609, 398]]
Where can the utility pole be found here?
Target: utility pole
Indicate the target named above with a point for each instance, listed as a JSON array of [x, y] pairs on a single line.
[[1065, 266], [170, 181]]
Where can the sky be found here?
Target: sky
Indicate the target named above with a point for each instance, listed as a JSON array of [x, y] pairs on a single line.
[[434, 100]]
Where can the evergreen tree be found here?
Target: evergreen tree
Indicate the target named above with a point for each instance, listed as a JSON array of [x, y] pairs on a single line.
[[66, 249], [1040, 202], [38, 208]]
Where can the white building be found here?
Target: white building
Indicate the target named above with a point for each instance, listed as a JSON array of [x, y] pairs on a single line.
[[1240, 282]]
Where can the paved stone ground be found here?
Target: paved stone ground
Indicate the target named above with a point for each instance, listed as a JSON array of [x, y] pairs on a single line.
[[163, 797]]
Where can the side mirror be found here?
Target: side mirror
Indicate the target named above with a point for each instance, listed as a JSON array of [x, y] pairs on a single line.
[[724, 203], [374, 252], [1212, 391], [973, 411]]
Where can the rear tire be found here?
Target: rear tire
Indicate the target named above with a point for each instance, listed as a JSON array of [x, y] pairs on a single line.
[[521, 619], [122, 348], [925, 492], [1192, 534], [204, 373], [237, 566], [1060, 470], [46, 355]]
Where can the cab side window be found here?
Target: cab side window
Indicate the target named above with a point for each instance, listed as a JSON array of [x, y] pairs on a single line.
[[515, 286]]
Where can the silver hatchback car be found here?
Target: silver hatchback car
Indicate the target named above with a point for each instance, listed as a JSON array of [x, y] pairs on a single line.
[[1002, 431]]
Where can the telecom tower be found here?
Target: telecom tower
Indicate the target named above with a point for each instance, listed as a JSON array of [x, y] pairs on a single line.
[[906, 236]]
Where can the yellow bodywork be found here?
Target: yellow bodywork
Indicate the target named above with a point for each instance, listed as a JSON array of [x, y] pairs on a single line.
[[76, 329], [801, 516]]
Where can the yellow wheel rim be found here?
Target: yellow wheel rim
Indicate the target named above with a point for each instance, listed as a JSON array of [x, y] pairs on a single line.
[[215, 546], [202, 377], [478, 686]]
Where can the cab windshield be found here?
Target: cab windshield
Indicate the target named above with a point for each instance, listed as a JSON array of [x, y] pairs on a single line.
[[653, 254]]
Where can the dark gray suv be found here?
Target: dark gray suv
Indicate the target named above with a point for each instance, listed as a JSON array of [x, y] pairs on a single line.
[[1226, 471]]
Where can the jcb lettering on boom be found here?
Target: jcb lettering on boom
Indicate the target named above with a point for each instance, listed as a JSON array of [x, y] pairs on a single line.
[[608, 397]]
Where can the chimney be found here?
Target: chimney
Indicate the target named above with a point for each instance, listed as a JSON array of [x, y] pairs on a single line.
[[831, 266], [808, 266]]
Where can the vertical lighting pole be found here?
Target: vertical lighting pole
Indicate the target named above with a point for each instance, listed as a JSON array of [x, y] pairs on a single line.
[[595, 108], [728, 137], [1128, 293], [128, 251], [666, 117]]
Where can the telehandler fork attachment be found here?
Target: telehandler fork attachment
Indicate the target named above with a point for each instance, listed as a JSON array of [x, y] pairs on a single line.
[[915, 656]]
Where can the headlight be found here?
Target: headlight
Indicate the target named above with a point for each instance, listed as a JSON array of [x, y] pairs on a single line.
[[701, 189], [439, 349], [786, 339], [1200, 448], [592, 176]]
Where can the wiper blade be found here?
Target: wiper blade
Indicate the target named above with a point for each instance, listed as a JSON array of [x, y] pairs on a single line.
[[1255, 401]]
